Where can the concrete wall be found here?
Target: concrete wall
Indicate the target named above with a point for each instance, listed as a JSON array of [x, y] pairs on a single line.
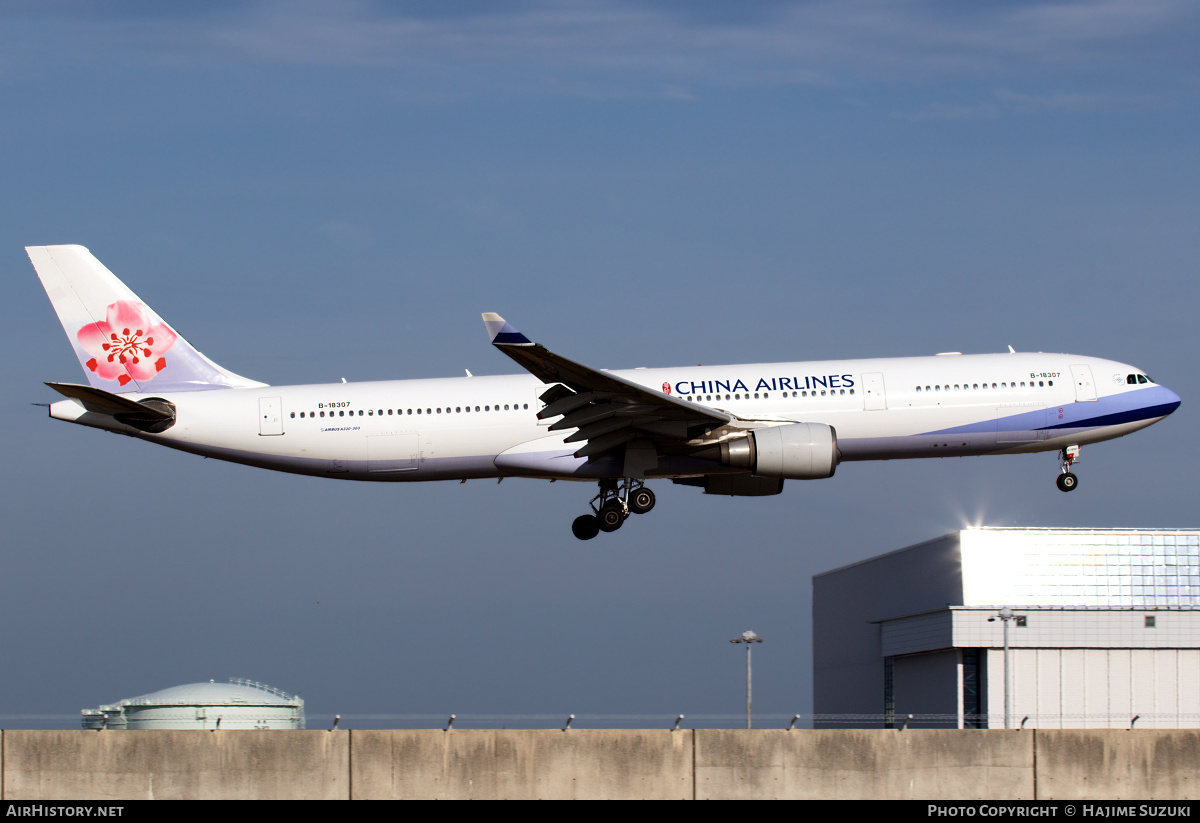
[[927, 764], [1116, 764], [186, 765], [522, 764]]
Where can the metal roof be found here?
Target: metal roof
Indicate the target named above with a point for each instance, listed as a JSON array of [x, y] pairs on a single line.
[[237, 692]]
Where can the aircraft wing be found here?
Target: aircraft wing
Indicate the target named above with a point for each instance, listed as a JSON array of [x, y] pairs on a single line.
[[608, 411]]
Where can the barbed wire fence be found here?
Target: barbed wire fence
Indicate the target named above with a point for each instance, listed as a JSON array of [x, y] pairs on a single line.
[[567, 720]]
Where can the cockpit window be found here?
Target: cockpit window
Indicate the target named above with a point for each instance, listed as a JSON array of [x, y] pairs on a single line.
[[1142, 378], [1131, 379]]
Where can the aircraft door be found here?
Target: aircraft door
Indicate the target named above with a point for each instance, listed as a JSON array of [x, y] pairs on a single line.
[[270, 416], [874, 398], [1085, 387]]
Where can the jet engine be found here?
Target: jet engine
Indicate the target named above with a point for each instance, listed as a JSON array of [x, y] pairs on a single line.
[[797, 451]]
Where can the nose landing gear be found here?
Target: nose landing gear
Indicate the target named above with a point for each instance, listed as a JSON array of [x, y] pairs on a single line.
[[1066, 458], [612, 505]]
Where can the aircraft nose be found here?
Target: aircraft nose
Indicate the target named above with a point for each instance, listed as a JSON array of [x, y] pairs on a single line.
[[1172, 400]]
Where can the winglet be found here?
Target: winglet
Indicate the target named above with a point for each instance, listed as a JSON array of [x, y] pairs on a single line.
[[501, 333]]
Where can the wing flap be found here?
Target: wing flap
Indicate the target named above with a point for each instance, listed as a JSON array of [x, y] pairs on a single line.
[[571, 402], [608, 410], [606, 443]]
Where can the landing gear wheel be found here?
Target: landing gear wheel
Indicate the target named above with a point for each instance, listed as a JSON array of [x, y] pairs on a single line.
[[611, 517], [585, 527], [641, 500], [1067, 482]]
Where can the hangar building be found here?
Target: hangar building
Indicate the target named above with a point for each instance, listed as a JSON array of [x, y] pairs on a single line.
[[1104, 632]]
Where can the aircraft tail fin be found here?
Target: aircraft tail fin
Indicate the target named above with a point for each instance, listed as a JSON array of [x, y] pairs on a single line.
[[121, 343]]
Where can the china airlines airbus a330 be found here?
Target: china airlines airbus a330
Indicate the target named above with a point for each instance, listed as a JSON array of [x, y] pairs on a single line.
[[733, 430]]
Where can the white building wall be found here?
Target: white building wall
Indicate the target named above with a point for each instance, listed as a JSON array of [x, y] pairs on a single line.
[[1096, 688]]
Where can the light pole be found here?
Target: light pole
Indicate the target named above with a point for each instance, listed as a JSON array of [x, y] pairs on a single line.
[[748, 637], [1006, 615]]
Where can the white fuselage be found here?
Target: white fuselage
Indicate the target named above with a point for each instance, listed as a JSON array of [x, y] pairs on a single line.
[[473, 427]]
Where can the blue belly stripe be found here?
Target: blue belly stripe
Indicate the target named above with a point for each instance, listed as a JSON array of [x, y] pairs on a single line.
[[1117, 418], [1125, 407]]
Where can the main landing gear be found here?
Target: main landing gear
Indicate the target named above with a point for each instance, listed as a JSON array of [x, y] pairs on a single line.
[[1066, 458], [615, 501]]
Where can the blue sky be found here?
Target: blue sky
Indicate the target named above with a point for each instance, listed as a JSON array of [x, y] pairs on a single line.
[[312, 191]]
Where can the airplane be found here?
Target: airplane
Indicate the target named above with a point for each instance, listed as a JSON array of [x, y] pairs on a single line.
[[736, 430]]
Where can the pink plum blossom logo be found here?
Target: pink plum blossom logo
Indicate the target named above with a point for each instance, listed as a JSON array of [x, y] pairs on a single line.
[[128, 344]]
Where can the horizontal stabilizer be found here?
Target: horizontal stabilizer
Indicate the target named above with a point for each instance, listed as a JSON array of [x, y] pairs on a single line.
[[102, 402], [154, 415]]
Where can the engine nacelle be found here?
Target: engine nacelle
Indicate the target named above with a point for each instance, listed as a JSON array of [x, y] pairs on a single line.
[[798, 451]]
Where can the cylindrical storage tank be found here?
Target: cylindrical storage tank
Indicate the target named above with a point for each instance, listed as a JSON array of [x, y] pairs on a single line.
[[238, 704]]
